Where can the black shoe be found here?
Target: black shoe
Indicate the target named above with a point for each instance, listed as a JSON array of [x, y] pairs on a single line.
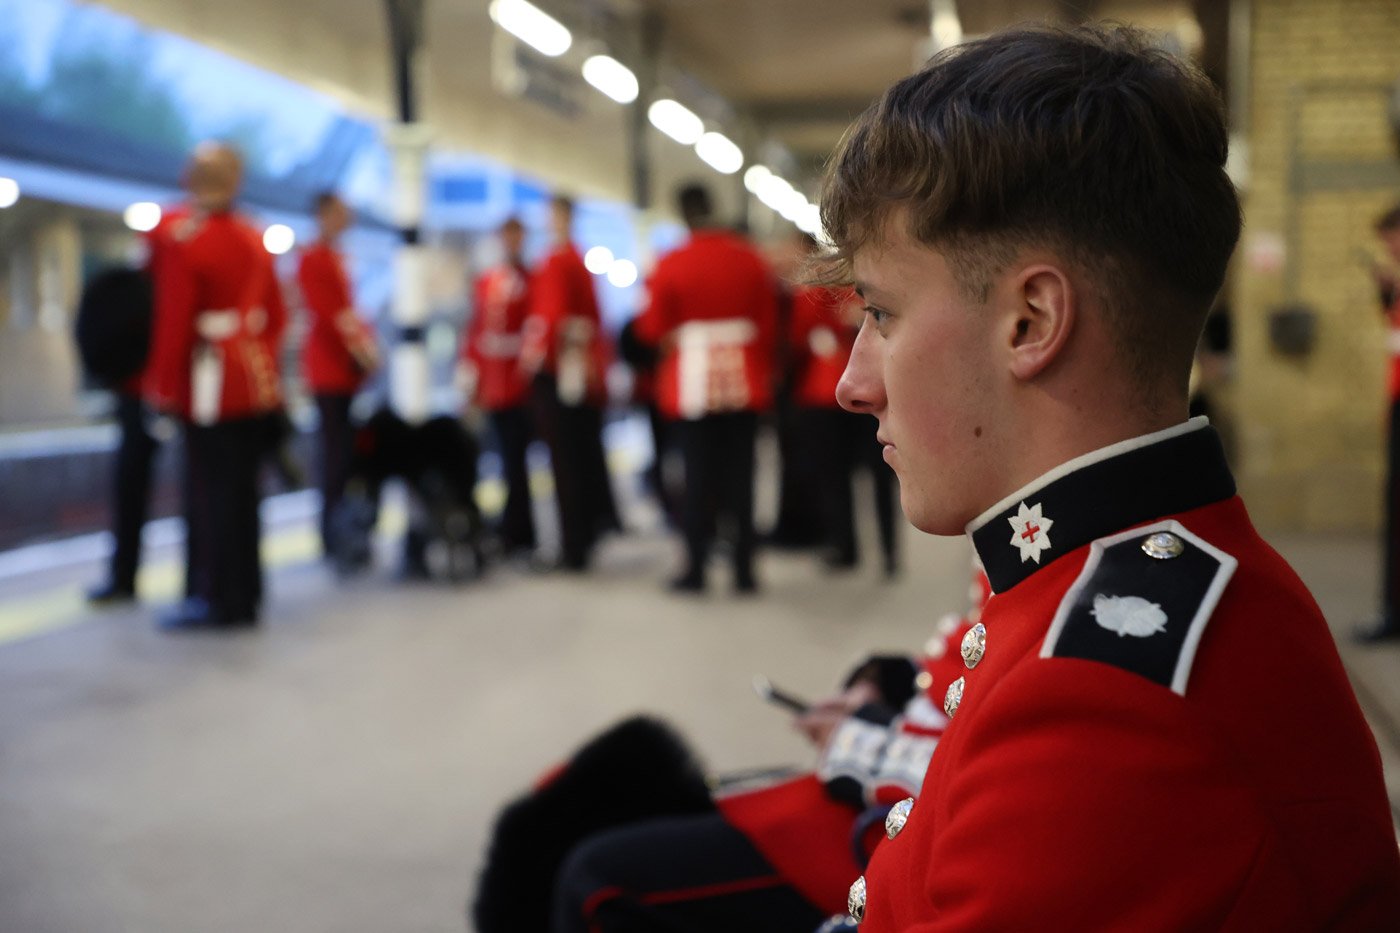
[[746, 585], [836, 560], [196, 615], [109, 595], [1377, 630], [691, 583]]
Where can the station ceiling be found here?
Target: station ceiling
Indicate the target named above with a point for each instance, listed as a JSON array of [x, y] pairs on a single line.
[[799, 70], [803, 69]]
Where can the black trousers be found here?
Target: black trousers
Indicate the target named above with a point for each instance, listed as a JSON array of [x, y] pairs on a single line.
[[581, 484], [223, 526], [1390, 570], [131, 490], [690, 874], [513, 430], [718, 451], [337, 444], [836, 444]]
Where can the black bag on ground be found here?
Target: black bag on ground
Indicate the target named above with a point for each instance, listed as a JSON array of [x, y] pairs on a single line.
[[637, 770], [113, 325]]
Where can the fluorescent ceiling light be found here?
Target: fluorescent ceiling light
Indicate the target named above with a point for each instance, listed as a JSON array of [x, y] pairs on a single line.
[[946, 27], [143, 216], [611, 77], [719, 153], [774, 191], [533, 26], [279, 238], [810, 220], [676, 121], [9, 192], [598, 260], [622, 273], [755, 176]]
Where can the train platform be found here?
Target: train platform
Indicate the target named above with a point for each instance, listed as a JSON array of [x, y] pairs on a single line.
[[338, 768]]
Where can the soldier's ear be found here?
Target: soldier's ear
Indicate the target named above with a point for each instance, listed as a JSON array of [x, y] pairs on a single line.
[[1041, 318]]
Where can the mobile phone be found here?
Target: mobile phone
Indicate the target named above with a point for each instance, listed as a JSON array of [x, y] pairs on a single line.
[[765, 689]]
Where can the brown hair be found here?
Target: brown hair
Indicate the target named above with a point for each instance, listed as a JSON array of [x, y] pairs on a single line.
[[1085, 140]]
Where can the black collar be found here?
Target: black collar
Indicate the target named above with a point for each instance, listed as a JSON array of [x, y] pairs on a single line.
[[1098, 494]]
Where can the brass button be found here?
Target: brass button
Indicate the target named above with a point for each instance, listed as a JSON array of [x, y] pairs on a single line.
[[897, 817], [855, 901], [953, 698], [1163, 545], [974, 645]]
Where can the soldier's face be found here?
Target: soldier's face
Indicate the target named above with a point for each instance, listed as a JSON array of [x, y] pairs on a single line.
[[924, 366]]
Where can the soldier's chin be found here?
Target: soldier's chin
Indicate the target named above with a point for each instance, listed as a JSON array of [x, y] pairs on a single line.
[[931, 517]]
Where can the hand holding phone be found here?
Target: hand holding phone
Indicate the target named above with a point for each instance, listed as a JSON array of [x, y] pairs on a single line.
[[765, 689]]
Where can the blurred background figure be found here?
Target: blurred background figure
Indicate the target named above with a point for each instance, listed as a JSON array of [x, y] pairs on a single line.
[[712, 312], [567, 354], [114, 332], [218, 325], [339, 353], [1387, 279], [497, 384], [833, 442]]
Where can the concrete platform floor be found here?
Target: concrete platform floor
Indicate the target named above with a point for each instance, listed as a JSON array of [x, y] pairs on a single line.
[[337, 770]]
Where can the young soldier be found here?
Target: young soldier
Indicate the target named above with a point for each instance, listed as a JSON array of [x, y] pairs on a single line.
[[1153, 730], [565, 351], [491, 361], [339, 353], [712, 315], [218, 321]]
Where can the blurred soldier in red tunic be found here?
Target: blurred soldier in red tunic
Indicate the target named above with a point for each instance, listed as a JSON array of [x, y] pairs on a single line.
[[497, 383], [218, 324], [339, 352], [567, 354], [1387, 278], [833, 442], [712, 314]]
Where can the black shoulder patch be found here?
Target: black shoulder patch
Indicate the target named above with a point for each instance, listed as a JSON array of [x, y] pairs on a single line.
[[1142, 602]]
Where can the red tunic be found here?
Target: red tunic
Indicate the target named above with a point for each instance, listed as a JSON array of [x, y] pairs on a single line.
[[218, 320], [1149, 743], [821, 334], [495, 337], [339, 345], [563, 332], [804, 832], [713, 313]]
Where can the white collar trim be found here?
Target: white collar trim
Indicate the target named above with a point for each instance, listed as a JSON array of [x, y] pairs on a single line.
[[1078, 463]]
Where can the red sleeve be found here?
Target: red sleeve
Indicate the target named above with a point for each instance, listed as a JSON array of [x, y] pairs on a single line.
[[659, 316], [548, 299], [172, 325], [471, 342], [766, 310], [321, 287], [274, 305]]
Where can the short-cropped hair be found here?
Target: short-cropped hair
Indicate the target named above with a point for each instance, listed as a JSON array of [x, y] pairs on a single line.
[[1086, 140]]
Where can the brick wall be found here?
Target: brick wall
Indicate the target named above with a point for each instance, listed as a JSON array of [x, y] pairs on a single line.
[[1321, 166]]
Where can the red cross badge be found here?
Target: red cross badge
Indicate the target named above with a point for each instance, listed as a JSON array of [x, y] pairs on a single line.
[[1030, 532]]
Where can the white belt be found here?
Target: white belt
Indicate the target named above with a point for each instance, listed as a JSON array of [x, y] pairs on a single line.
[[704, 334], [215, 326], [500, 346], [220, 324]]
